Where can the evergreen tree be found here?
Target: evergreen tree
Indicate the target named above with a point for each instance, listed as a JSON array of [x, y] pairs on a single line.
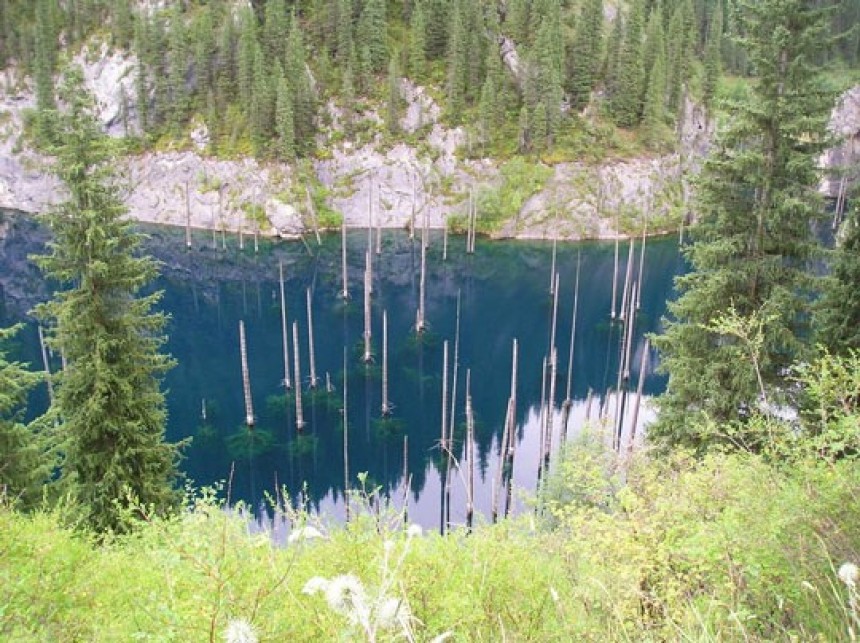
[[392, 111], [417, 39], [44, 62], [347, 93], [625, 101], [753, 239], [438, 14], [109, 399], [141, 81], [284, 121], [371, 33], [613, 51], [713, 51], [245, 59], [585, 53], [304, 98], [122, 24], [837, 315], [177, 104], [654, 114], [275, 30], [457, 61], [344, 31], [262, 104], [24, 464]]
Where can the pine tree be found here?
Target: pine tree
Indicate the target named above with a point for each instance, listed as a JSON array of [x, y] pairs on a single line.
[[372, 33], [753, 239], [304, 98], [122, 25], [44, 63], [262, 104], [275, 28], [245, 58], [713, 52], [837, 314], [24, 462], [109, 399], [392, 111], [417, 40], [625, 102], [438, 14], [141, 80], [457, 61], [344, 31], [654, 114], [284, 121], [585, 53]]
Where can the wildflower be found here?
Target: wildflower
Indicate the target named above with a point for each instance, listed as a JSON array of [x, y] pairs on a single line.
[[388, 546], [315, 585], [345, 594], [240, 631], [392, 612], [414, 531], [304, 533], [849, 574]]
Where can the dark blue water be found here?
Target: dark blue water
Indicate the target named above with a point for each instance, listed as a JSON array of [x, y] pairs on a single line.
[[504, 293]]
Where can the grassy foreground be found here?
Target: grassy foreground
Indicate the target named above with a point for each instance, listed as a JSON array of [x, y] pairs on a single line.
[[729, 547]]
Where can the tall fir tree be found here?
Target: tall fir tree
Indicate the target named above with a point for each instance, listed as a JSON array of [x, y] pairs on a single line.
[[345, 30], [109, 399], [285, 121], [713, 54], [625, 100], [457, 62], [753, 239], [392, 105], [372, 29], [417, 40], [585, 51], [654, 112]]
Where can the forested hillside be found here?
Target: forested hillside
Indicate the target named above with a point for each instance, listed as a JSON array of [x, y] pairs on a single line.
[[521, 75]]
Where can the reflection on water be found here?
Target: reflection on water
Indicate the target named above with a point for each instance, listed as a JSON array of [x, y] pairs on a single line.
[[504, 293]]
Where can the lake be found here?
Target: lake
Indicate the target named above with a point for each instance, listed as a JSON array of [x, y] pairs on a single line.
[[504, 293]]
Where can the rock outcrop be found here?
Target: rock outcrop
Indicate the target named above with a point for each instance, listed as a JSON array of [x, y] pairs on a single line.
[[843, 160]]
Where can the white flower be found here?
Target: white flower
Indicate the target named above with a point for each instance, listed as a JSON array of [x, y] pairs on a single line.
[[849, 574], [240, 631], [414, 531], [392, 612], [345, 594], [304, 533], [388, 546], [315, 585]]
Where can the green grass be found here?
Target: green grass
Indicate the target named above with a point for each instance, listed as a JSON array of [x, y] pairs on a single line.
[[730, 547]]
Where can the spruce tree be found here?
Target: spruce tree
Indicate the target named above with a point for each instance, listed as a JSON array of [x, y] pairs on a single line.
[[585, 53], [713, 53], [837, 314], [417, 40], [625, 102], [275, 29], [109, 399], [372, 33], [457, 61], [304, 97], [44, 62], [753, 240], [344, 31], [24, 462], [654, 114], [284, 121], [392, 111]]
